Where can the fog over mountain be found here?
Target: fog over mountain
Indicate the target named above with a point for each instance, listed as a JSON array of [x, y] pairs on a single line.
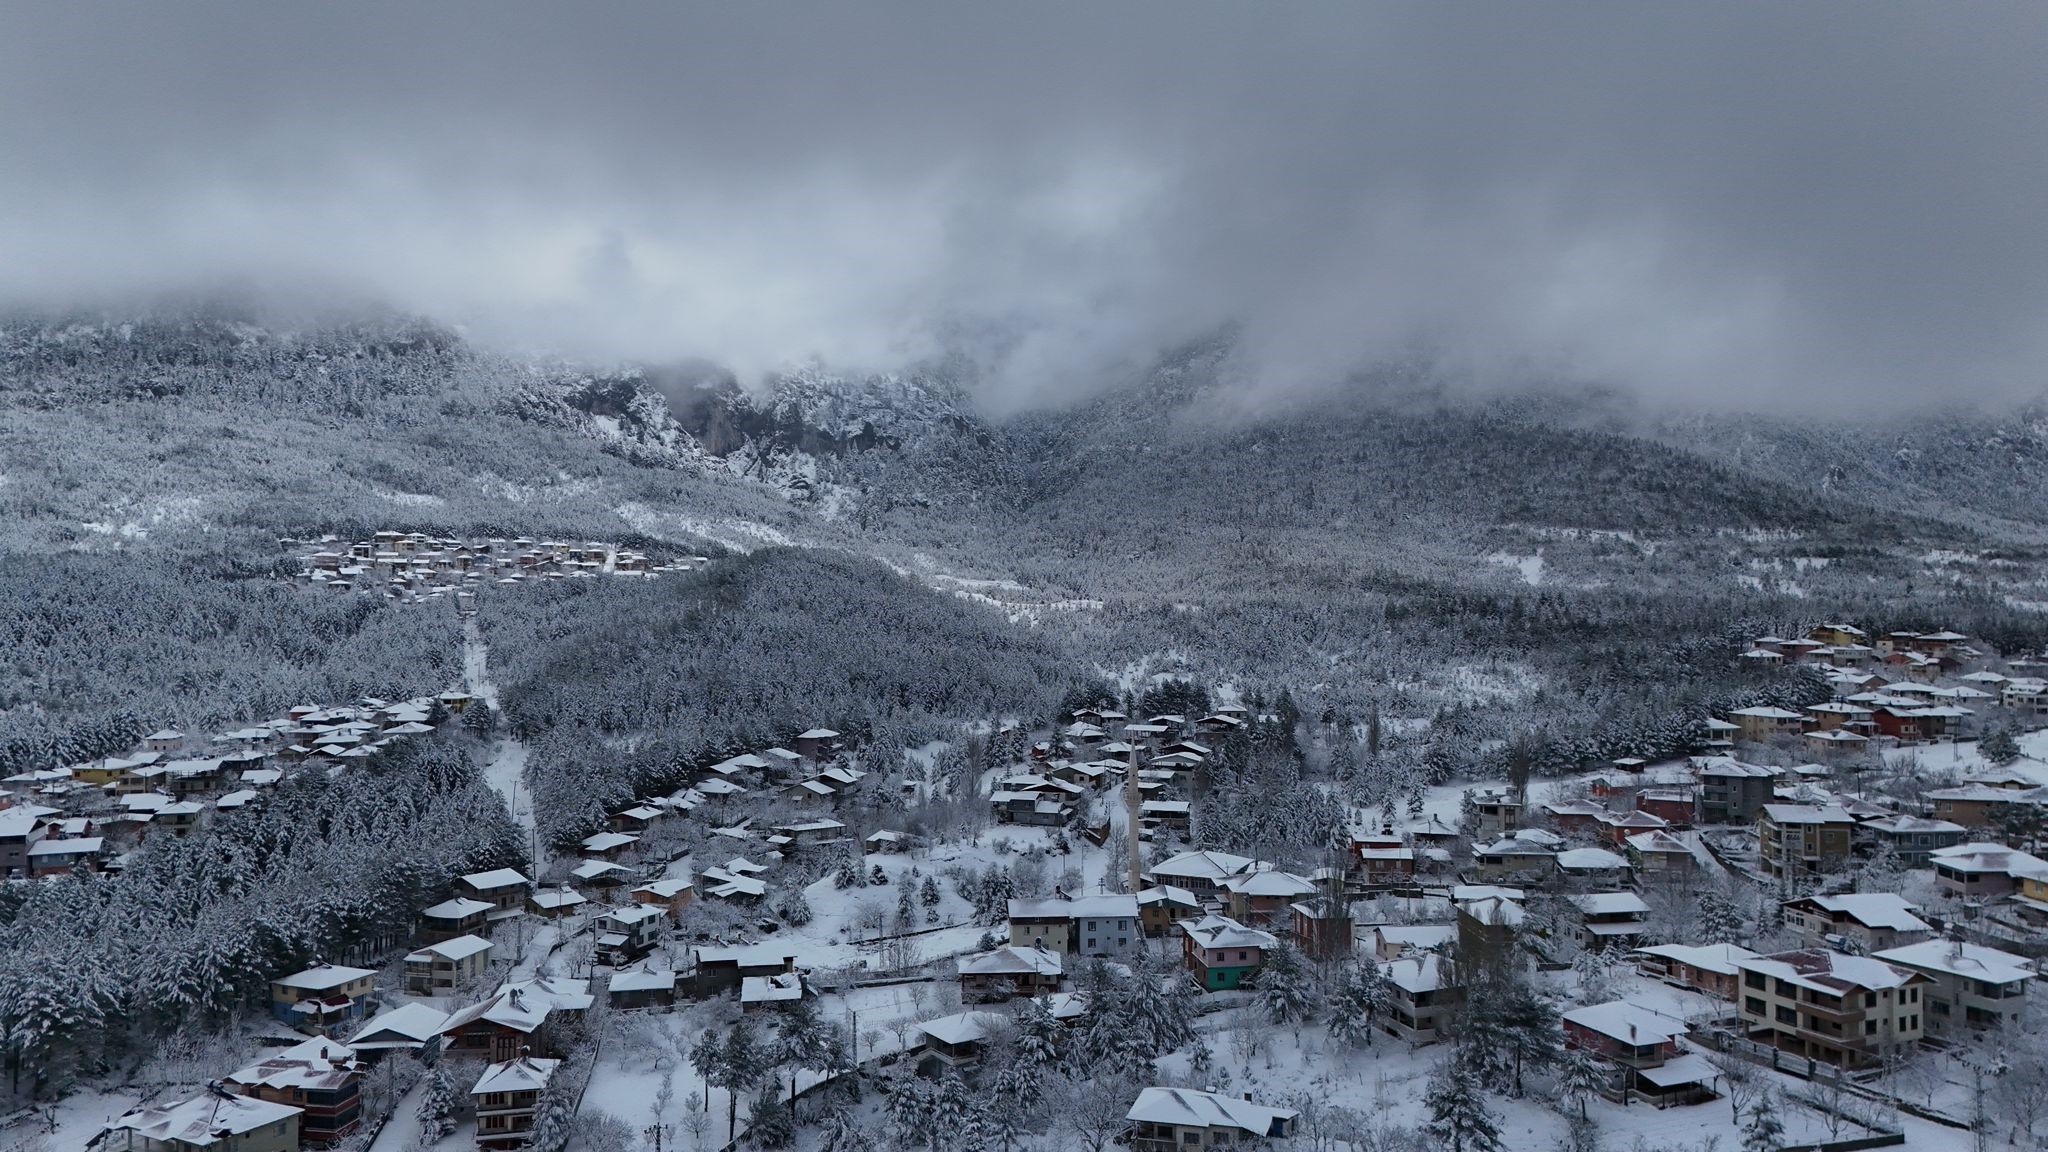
[[1728, 205]]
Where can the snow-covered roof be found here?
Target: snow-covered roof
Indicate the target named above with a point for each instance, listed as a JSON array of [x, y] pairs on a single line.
[[1956, 958], [1422, 972], [1806, 814], [322, 977], [460, 948], [631, 914], [205, 1120], [1610, 904], [1204, 865], [779, 988], [413, 1023], [1908, 825], [641, 980], [1495, 910], [1214, 931], [526, 1074], [666, 888], [459, 908], [818, 734], [745, 955], [1417, 936], [1766, 713], [1823, 970], [1718, 958], [1874, 910], [1460, 893], [1014, 961], [961, 1027], [497, 878], [1626, 1022], [553, 898], [606, 841], [1269, 884], [1589, 860], [1188, 1108], [76, 846], [1688, 1068], [593, 869], [318, 1064]]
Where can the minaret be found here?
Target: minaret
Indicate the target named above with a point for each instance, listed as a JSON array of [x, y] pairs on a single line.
[[1131, 806]]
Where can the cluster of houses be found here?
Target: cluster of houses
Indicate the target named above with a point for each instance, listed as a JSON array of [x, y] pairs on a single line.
[[1886, 690], [415, 566], [1098, 750], [55, 821]]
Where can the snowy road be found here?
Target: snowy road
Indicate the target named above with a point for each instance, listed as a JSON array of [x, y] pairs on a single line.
[[506, 772]]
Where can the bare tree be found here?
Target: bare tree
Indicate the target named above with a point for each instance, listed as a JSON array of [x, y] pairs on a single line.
[[1094, 1111]]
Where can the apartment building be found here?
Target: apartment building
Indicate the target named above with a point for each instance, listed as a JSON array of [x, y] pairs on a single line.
[[1845, 1010]]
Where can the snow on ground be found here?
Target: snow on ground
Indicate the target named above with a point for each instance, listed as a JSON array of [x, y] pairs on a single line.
[[1531, 567], [1963, 757], [506, 771]]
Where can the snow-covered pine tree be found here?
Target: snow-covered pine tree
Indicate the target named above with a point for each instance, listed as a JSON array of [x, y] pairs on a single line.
[[1459, 1120]]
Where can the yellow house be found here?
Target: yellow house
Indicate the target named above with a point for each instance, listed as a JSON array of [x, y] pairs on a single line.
[[321, 997]]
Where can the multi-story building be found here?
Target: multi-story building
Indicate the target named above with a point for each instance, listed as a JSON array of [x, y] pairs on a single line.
[[446, 966], [1760, 724], [1732, 792], [1845, 1010], [1972, 986], [1639, 1054], [1913, 839], [1872, 921], [507, 1096], [1422, 999], [321, 997], [1803, 840], [1221, 953], [320, 1077]]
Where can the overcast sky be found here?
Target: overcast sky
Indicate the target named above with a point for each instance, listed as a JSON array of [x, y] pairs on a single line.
[[1722, 202]]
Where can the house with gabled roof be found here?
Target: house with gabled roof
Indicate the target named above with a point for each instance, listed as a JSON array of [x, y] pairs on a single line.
[[519, 1017], [1972, 987], [321, 1077], [1177, 1119], [504, 889], [1423, 998], [321, 998], [414, 1029], [507, 1098], [1201, 872], [1850, 1011], [1639, 1052], [446, 965], [213, 1121], [459, 916], [1221, 953], [1010, 971], [1708, 968], [1871, 921]]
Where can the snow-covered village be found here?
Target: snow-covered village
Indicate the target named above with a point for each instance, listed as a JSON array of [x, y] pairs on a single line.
[[908, 576], [1182, 916]]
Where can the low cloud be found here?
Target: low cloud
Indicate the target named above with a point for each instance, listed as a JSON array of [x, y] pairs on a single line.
[[1728, 205]]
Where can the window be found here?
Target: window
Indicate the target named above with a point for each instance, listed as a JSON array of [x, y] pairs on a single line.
[[1753, 980], [1787, 1016], [1753, 1006], [1870, 1027], [1870, 999]]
